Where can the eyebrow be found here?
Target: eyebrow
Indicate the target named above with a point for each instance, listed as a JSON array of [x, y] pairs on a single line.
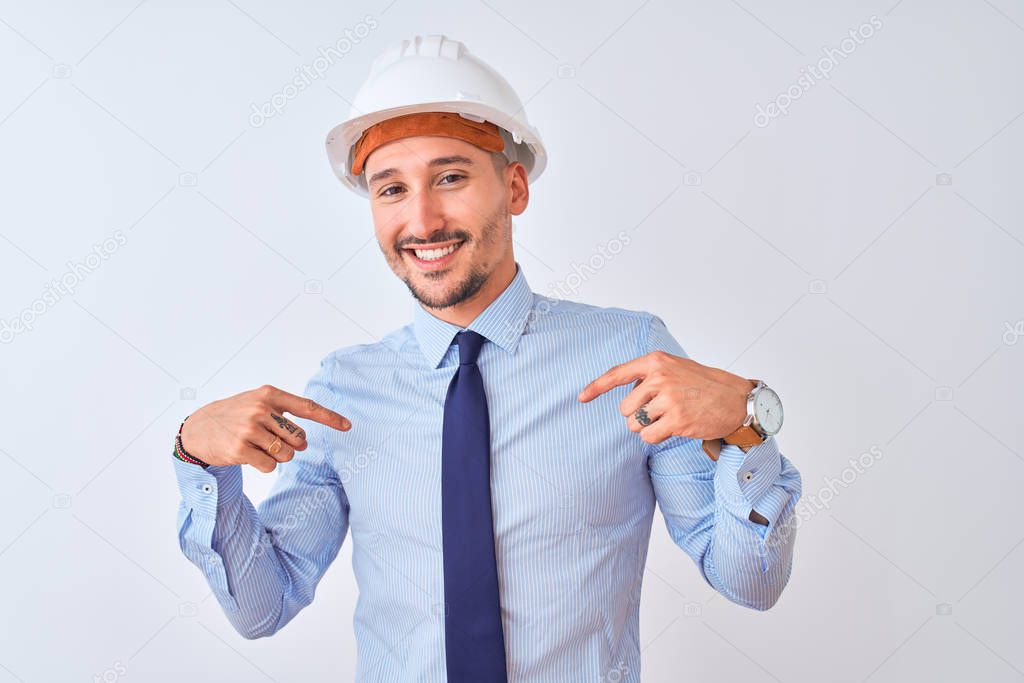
[[440, 161]]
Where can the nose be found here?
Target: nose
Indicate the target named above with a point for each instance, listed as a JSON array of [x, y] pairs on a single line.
[[426, 216]]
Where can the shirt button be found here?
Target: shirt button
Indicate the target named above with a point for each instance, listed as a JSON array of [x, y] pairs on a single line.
[[207, 488], [748, 475]]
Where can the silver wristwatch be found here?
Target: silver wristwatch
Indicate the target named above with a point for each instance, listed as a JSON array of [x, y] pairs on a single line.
[[764, 410]]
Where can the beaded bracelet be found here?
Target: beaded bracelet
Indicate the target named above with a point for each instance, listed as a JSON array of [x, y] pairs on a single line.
[[181, 454]]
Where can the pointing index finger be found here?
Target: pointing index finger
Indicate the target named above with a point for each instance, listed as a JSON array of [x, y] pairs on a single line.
[[618, 375], [308, 408]]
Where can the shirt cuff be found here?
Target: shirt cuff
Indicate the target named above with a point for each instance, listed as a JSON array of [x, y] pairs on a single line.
[[746, 481], [204, 492], [208, 490]]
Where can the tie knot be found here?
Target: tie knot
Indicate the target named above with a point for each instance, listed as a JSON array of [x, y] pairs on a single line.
[[469, 346]]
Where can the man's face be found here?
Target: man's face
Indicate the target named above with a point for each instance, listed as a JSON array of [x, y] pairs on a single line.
[[431, 193]]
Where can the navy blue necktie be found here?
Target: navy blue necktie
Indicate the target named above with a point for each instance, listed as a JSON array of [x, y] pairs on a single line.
[[474, 640]]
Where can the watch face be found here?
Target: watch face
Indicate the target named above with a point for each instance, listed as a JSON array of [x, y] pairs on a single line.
[[768, 410]]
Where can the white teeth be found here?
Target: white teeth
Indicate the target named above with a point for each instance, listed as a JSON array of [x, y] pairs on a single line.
[[434, 254]]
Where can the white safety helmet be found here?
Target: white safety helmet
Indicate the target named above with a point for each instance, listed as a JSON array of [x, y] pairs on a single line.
[[434, 73]]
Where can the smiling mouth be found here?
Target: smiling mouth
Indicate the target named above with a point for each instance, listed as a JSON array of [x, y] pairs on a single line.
[[433, 256]]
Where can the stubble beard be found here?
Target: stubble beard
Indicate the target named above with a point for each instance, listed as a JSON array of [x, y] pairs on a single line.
[[493, 230]]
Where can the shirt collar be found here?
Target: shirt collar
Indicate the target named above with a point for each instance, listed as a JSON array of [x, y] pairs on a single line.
[[502, 322]]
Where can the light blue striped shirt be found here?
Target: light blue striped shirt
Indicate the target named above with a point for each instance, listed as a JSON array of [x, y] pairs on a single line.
[[573, 491]]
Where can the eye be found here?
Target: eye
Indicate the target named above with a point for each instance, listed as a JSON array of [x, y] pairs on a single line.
[[452, 175], [385, 193]]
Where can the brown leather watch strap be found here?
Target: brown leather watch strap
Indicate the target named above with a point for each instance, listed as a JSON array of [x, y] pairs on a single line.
[[757, 518], [712, 447], [744, 437]]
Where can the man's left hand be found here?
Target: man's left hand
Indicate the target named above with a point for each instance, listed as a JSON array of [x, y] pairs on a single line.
[[681, 397]]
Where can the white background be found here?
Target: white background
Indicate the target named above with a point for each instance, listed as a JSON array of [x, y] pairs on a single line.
[[825, 252]]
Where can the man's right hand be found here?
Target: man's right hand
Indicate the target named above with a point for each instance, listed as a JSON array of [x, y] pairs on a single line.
[[238, 430]]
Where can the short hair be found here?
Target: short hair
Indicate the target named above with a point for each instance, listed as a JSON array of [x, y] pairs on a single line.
[[500, 162]]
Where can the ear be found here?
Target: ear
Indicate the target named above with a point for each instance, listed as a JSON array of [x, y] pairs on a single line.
[[518, 186]]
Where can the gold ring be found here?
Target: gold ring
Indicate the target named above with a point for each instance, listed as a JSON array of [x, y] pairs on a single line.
[[275, 446]]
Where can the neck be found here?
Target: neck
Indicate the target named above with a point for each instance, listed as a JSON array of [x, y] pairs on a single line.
[[462, 314]]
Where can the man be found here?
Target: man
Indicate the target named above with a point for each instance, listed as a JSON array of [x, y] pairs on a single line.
[[494, 460]]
